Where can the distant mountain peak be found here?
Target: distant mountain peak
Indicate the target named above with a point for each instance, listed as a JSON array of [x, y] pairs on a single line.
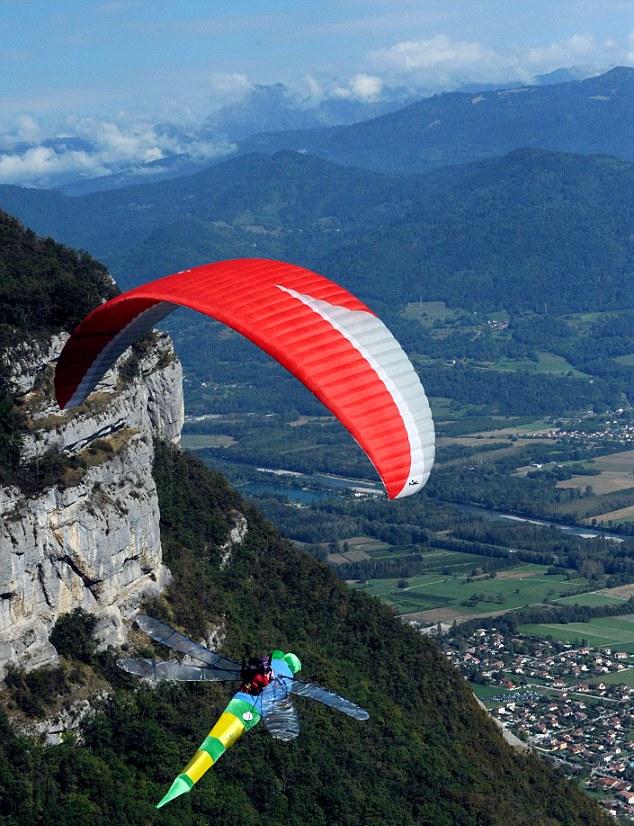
[[449, 128]]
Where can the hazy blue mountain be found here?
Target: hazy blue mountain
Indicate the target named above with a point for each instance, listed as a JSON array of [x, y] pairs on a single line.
[[190, 148], [517, 231], [387, 134], [276, 108], [565, 75], [172, 166], [286, 205], [283, 206], [587, 116]]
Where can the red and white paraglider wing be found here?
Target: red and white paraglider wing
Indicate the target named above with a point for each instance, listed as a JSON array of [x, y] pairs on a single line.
[[320, 332]]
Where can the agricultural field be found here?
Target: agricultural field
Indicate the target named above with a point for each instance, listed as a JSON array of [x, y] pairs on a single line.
[[617, 506], [625, 677], [485, 692], [201, 441], [592, 599], [619, 515], [359, 548], [428, 313], [616, 473], [520, 428], [602, 632], [627, 360], [483, 456], [546, 363], [437, 597]]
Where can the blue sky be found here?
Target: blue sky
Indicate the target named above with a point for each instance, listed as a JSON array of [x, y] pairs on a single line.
[[97, 57], [108, 68]]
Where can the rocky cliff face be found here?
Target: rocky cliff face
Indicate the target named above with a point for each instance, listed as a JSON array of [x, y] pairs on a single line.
[[92, 541]]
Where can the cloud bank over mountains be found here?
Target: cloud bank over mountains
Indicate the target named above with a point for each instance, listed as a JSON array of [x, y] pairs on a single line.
[[90, 148], [444, 64], [34, 152]]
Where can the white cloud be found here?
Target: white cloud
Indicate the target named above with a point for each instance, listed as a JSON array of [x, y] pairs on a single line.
[[629, 54], [23, 128], [43, 163], [441, 63], [27, 128], [363, 87], [314, 90], [228, 88], [575, 48], [89, 147], [310, 92], [436, 51]]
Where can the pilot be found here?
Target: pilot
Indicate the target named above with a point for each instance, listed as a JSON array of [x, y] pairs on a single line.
[[256, 674]]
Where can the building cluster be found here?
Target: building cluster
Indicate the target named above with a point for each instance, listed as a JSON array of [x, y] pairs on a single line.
[[553, 697], [511, 661], [497, 325], [612, 429]]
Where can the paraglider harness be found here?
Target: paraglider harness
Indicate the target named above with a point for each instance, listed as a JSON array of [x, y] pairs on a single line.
[[255, 674]]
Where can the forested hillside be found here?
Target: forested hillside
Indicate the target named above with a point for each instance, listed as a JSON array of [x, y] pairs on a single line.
[[44, 287], [516, 232], [428, 754], [520, 232], [535, 235]]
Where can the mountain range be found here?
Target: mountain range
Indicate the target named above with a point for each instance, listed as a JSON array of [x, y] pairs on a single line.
[[586, 116], [92, 156], [510, 232]]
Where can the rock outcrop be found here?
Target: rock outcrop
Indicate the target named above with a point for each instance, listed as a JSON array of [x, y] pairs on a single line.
[[92, 541]]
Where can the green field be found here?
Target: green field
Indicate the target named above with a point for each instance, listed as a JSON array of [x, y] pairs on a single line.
[[428, 312], [485, 692], [546, 363], [372, 547], [591, 599], [615, 678], [603, 632], [200, 441], [528, 586]]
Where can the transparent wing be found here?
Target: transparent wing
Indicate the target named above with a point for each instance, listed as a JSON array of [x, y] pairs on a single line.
[[162, 633], [279, 716], [328, 698], [155, 670]]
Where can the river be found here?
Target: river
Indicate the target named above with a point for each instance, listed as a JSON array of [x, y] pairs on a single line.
[[311, 488], [498, 516]]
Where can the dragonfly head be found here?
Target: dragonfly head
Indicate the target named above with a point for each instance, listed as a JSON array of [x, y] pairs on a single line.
[[291, 660]]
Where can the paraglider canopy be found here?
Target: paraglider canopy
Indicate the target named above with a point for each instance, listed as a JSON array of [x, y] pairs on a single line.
[[319, 331]]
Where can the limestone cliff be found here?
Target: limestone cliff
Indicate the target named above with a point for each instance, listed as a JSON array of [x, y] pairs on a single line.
[[91, 541]]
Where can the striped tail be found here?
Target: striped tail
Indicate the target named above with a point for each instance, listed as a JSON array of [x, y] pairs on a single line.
[[238, 717]]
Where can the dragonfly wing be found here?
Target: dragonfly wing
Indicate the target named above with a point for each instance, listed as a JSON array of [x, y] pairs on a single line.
[[160, 632], [328, 698], [279, 716], [172, 670], [281, 720]]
